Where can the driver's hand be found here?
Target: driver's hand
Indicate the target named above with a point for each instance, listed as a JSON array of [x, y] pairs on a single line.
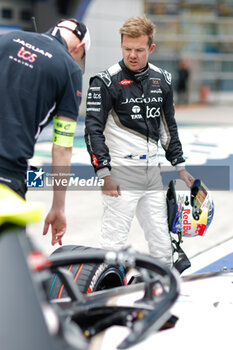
[[186, 177], [111, 187]]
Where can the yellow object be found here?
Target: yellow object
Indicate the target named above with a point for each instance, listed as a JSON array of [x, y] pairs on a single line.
[[16, 210], [63, 132], [202, 219]]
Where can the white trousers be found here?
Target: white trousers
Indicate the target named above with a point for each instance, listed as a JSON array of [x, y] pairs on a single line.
[[144, 197]]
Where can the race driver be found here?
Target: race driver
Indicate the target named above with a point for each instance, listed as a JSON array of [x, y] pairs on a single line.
[[129, 109], [40, 79]]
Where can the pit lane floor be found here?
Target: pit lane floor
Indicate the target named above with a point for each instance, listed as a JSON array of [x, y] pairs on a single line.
[[206, 134]]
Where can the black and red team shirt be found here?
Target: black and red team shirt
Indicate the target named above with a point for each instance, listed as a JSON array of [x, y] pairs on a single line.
[[38, 80]]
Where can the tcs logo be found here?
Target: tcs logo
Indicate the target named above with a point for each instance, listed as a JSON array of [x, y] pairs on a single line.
[[26, 55]]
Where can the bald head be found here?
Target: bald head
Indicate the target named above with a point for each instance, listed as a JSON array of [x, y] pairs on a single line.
[[77, 38]]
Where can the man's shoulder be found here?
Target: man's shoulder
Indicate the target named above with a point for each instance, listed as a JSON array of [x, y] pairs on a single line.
[[14, 36], [114, 69], [107, 75], [155, 68], [162, 72]]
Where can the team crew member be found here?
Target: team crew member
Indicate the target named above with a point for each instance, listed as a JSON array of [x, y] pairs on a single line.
[[40, 79], [129, 109]]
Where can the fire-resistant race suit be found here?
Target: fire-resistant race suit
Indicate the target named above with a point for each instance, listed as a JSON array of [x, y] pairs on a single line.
[[127, 114], [38, 80]]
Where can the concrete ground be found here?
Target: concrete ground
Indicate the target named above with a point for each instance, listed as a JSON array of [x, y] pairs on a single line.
[[84, 210]]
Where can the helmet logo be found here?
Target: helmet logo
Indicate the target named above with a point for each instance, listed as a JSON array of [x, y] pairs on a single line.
[[186, 224]]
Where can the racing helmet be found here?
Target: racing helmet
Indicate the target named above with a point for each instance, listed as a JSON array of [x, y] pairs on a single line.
[[190, 210]]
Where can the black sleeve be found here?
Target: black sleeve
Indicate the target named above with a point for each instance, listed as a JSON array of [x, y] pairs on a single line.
[[98, 105], [169, 137], [70, 100]]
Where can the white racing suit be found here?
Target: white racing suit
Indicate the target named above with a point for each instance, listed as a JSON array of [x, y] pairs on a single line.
[[127, 114], [141, 194]]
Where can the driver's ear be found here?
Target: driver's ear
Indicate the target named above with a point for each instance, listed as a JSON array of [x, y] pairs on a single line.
[[151, 49]]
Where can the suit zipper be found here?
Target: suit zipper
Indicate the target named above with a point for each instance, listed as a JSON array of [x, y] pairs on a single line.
[[145, 119]]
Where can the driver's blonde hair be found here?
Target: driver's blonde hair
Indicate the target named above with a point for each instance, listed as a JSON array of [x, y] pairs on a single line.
[[136, 26]]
